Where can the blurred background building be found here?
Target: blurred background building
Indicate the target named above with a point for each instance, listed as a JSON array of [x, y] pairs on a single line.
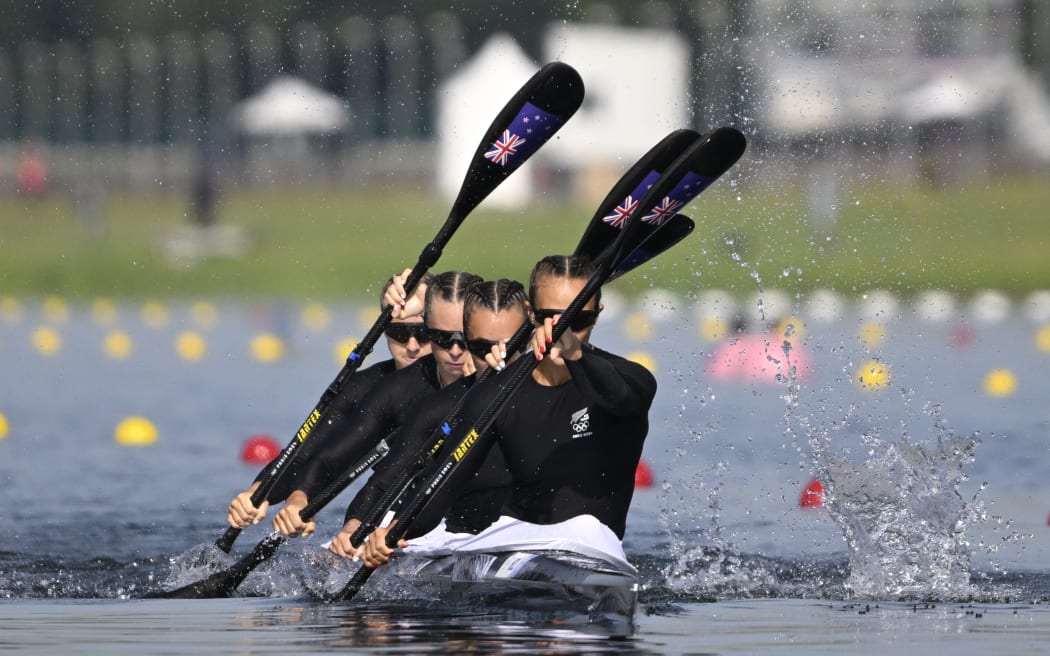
[[136, 94]]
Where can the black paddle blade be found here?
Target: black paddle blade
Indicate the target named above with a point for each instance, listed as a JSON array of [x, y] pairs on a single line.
[[695, 170], [222, 584], [528, 120], [678, 228], [612, 213]]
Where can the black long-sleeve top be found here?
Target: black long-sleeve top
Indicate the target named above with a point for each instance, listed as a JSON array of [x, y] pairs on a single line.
[[469, 507], [342, 408], [385, 407], [571, 449]]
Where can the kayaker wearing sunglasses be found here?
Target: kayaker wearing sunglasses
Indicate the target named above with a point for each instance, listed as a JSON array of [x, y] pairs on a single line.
[[492, 312], [381, 403], [389, 402], [407, 343]]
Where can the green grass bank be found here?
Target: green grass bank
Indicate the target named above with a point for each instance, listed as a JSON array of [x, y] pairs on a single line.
[[327, 243]]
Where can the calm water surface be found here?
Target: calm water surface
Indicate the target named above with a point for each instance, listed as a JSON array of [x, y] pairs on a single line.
[[934, 534]]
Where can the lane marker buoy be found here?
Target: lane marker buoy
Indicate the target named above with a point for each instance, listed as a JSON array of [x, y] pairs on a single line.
[[46, 341], [204, 314], [190, 346], [812, 495], [259, 449], [643, 475], [343, 348], [873, 375], [267, 348], [315, 317], [1000, 383], [103, 312], [135, 431], [10, 309], [118, 344], [872, 334], [644, 359], [154, 314], [713, 329], [637, 326], [1042, 339], [55, 309]]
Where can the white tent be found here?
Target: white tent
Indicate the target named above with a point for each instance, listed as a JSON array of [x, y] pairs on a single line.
[[290, 106], [637, 83], [944, 97], [468, 102]]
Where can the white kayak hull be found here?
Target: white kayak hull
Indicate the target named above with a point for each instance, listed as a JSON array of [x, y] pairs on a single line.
[[529, 580]]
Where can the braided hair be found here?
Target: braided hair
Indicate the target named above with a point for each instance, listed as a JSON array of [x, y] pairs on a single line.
[[577, 267], [494, 295], [450, 286]]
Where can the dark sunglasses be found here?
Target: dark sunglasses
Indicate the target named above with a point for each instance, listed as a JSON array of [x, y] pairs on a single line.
[[402, 332], [584, 318], [481, 347], [446, 339]]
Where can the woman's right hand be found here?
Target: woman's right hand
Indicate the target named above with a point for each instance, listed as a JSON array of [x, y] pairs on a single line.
[[242, 513], [289, 521]]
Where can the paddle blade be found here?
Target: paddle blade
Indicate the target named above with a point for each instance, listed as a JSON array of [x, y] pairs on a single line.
[[694, 171], [611, 215], [675, 230], [528, 120], [222, 584]]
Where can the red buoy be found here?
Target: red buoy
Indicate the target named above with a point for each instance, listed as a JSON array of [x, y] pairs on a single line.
[[962, 336], [259, 450], [643, 476], [812, 495]]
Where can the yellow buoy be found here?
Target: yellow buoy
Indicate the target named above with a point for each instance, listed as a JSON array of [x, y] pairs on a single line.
[[118, 344], [873, 375], [1042, 339], [367, 316], [315, 317], [103, 311], [204, 314], [644, 359], [872, 334], [637, 326], [343, 348], [267, 348], [55, 309], [714, 329], [1000, 382], [10, 309], [46, 340], [790, 329], [154, 314], [190, 346], [4, 427], [135, 431]]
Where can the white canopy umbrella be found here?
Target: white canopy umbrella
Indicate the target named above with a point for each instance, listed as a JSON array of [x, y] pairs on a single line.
[[945, 97], [291, 106]]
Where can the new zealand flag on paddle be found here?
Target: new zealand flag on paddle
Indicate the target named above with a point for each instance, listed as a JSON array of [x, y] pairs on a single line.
[[529, 130], [686, 190], [619, 215]]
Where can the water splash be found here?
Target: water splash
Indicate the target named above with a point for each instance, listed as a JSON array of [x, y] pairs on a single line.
[[904, 519], [900, 509], [196, 563]]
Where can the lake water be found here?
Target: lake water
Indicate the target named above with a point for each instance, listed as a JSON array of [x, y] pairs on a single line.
[[933, 534]]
